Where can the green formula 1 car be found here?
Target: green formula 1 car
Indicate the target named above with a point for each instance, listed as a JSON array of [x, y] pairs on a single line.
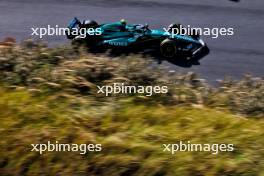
[[123, 36]]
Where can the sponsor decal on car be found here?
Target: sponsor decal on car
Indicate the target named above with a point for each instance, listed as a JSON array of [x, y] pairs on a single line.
[[118, 43]]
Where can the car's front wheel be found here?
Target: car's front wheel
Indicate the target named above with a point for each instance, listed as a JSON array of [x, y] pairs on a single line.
[[168, 48]]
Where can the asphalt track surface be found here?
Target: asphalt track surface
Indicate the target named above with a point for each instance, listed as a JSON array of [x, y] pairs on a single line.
[[235, 56]]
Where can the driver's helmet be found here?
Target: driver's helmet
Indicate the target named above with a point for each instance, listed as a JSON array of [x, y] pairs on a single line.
[[123, 22]]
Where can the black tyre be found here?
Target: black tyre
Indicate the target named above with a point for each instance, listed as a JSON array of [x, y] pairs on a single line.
[[168, 48]]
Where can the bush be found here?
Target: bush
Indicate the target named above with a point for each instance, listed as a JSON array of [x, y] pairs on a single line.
[[51, 94], [62, 69]]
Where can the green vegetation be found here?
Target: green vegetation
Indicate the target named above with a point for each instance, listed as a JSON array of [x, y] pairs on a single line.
[[50, 94]]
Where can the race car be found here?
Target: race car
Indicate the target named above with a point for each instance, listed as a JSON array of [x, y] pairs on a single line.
[[123, 36]]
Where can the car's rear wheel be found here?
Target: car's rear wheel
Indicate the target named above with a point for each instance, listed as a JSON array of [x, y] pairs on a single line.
[[168, 48]]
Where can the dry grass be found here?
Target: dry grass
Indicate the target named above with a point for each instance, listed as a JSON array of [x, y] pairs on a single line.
[[50, 94]]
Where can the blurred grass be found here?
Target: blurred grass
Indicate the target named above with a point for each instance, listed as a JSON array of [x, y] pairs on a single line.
[[131, 136], [49, 94]]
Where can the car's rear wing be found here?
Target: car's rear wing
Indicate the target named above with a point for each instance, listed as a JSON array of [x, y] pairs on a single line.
[[74, 22]]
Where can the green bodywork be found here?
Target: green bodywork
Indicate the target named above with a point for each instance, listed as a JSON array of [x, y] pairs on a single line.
[[123, 35], [117, 34]]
